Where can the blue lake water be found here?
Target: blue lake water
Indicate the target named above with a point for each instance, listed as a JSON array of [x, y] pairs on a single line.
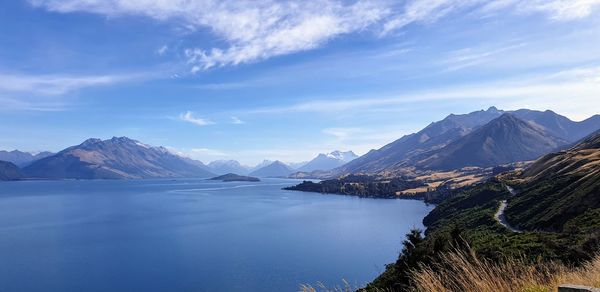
[[192, 235]]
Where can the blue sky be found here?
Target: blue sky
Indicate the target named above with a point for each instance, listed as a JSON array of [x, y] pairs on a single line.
[[254, 80]]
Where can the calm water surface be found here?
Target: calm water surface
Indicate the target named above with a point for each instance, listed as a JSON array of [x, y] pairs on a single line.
[[192, 235]]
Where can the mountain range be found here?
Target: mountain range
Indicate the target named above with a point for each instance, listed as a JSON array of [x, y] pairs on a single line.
[[9, 171], [482, 139], [20, 158], [275, 169], [328, 161], [504, 140], [116, 158], [450, 143], [228, 166]]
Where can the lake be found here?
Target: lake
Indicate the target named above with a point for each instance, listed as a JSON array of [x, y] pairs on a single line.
[[192, 235]]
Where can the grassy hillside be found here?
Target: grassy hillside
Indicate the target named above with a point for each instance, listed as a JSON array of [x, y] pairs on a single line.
[[557, 208]]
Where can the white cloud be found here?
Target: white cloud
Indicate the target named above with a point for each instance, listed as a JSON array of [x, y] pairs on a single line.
[[162, 50], [258, 30], [191, 118], [563, 91], [237, 121], [56, 84], [562, 10], [468, 57], [10, 104]]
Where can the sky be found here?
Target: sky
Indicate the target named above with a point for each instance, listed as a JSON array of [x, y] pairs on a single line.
[[285, 80]]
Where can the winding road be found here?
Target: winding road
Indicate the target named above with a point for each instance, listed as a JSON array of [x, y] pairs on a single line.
[[500, 217]]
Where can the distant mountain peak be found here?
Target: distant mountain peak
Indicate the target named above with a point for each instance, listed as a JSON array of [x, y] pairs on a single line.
[[228, 166], [116, 158], [275, 169], [328, 161], [21, 158], [91, 141]]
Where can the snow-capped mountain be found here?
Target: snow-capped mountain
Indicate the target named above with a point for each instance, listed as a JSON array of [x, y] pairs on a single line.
[[228, 166], [328, 161]]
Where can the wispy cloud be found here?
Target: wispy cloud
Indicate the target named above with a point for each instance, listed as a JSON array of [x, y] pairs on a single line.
[[563, 91], [226, 86], [56, 84], [560, 10], [469, 57], [237, 121], [162, 50], [191, 118], [259, 30], [13, 104]]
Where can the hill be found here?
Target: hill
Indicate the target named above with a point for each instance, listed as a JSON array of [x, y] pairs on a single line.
[[116, 158], [556, 206], [561, 191], [230, 177], [9, 171], [275, 169]]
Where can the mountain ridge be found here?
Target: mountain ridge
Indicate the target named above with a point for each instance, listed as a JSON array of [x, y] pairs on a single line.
[[328, 161], [397, 155], [504, 140], [275, 169], [116, 158]]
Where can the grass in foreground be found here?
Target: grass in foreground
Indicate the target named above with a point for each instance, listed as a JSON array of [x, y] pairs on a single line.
[[464, 271]]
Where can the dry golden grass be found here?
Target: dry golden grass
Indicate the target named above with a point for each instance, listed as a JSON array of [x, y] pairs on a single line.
[[436, 176], [465, 272]]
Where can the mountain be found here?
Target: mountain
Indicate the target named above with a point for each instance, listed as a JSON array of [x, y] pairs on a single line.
[[261, 165], [435, 135], [275, 169], [328, 161], [20, 158], [9, 171], [227, 166], [504, 140], [117, 158], [439, 134], [560, 126]]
